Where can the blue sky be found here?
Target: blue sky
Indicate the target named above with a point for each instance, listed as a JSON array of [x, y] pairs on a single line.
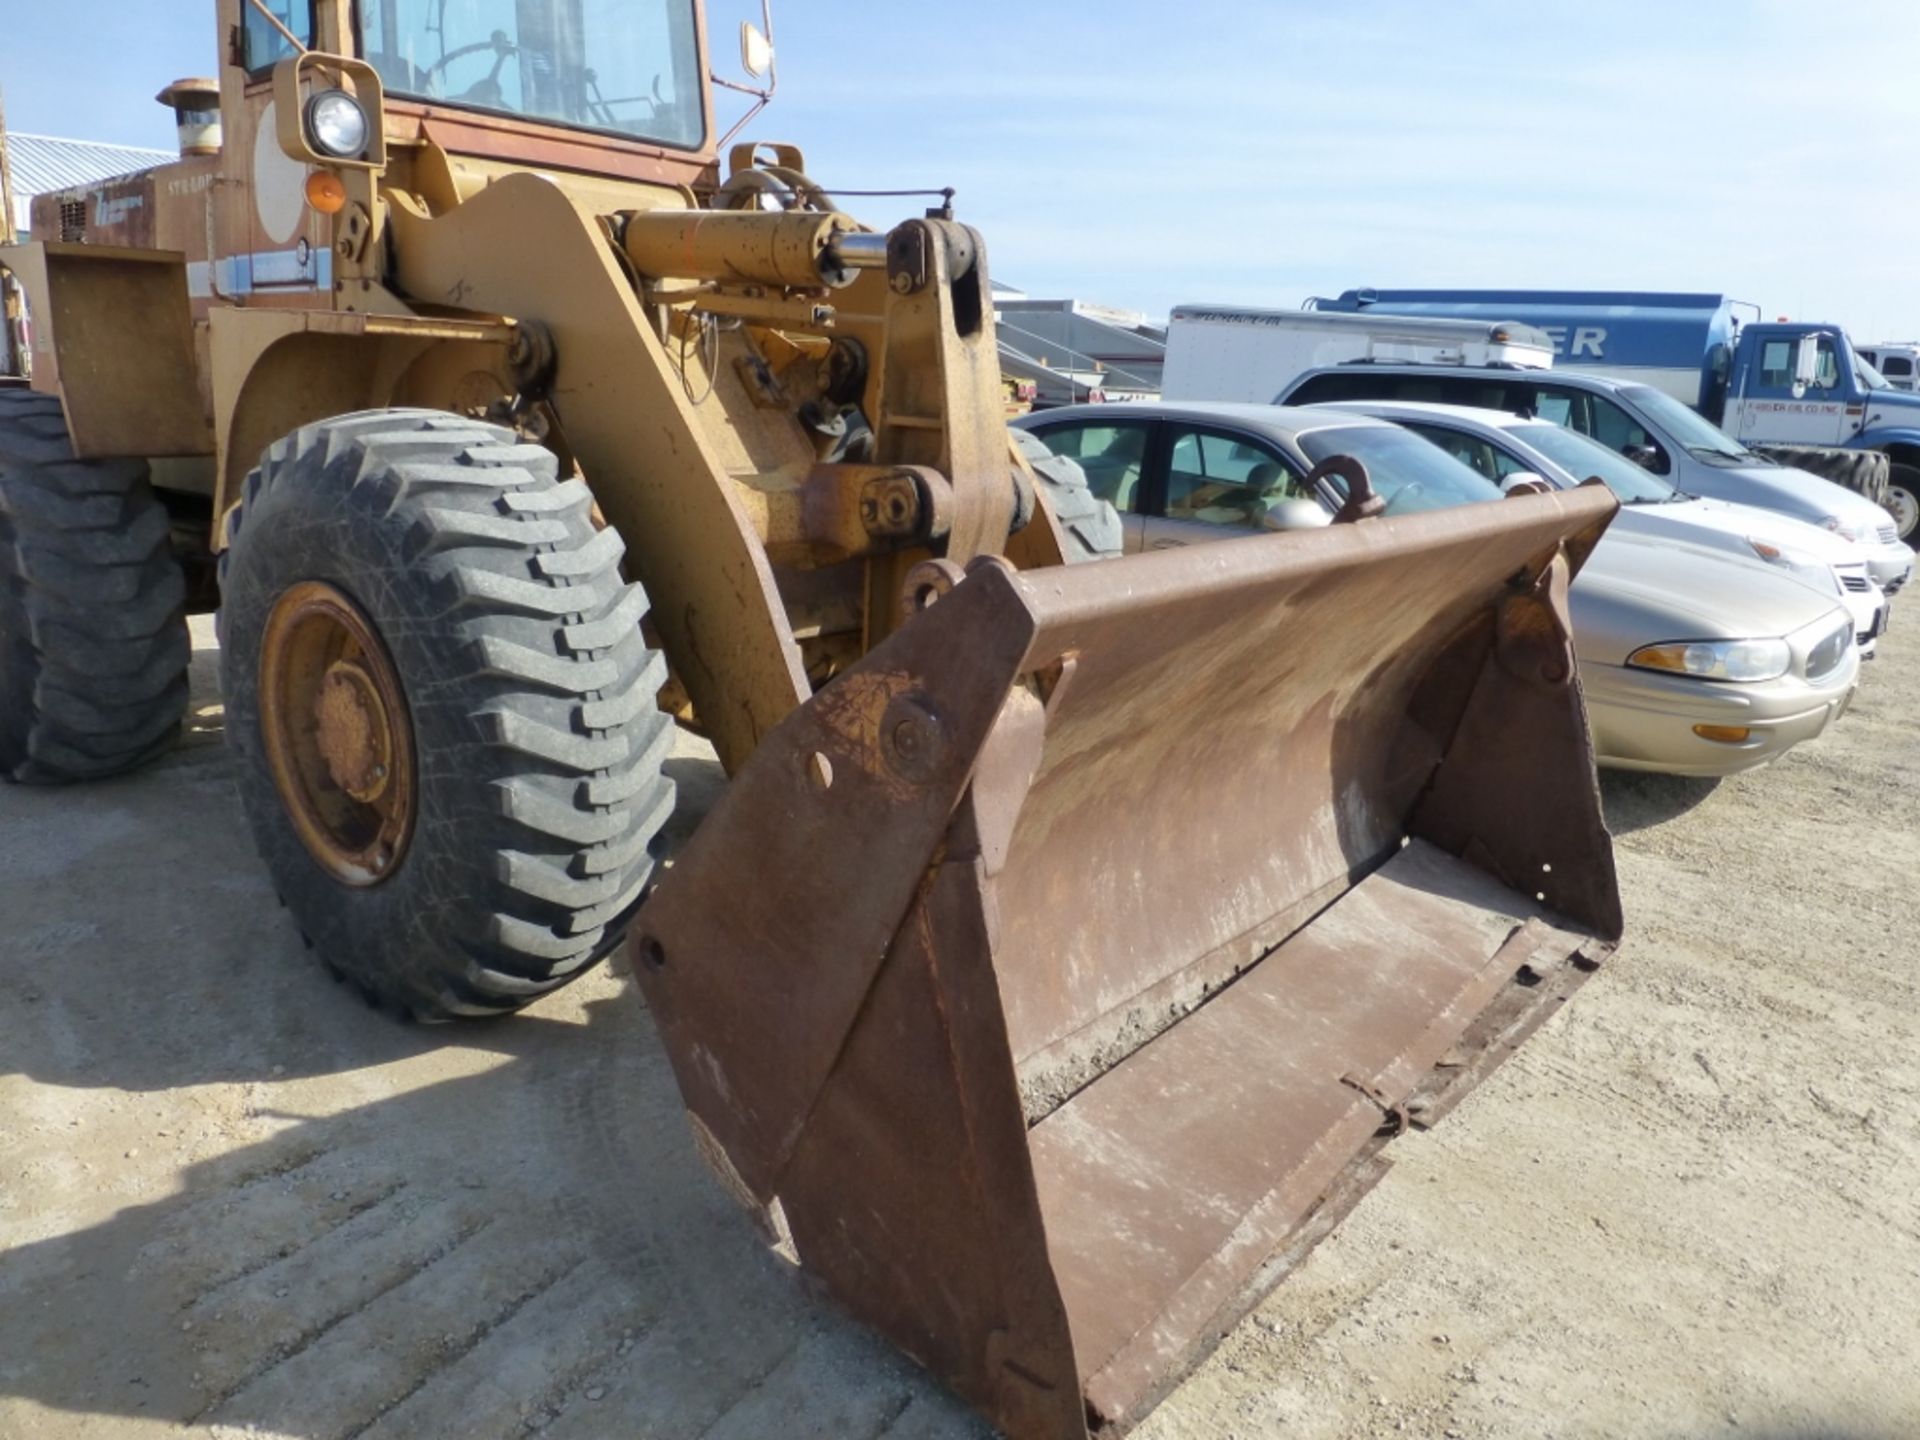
[[1142, 153]]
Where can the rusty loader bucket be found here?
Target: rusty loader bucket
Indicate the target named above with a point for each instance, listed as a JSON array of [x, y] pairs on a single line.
[[1058, 973]]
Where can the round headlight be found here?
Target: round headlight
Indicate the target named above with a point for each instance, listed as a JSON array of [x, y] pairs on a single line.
[[337, 125]]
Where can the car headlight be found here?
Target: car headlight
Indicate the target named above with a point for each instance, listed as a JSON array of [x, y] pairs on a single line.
[[337, 124], [1843, 530], [1743, 660]]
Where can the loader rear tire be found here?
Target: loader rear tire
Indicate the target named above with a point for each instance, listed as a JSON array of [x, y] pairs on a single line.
[[93, 634], [1090, 525], [451, 755]]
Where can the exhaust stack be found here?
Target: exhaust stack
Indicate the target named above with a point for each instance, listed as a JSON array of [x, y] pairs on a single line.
[[196, 111]]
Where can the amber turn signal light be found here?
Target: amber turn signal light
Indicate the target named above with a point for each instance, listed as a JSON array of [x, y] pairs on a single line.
[[1725, 734], [326, 192]]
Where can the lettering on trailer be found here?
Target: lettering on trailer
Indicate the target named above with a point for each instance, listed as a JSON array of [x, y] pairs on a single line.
[[1798, 407], [1589, 340], [1232, 317]]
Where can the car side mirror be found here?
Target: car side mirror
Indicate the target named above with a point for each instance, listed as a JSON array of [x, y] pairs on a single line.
[[756, 50], [1647, 457], [1296, 515], [1525, 482]]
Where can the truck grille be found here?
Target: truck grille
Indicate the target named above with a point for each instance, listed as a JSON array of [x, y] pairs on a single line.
[[1825, 657], [1889, 534]]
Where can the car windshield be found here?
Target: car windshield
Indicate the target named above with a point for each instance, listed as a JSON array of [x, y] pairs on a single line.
[[1407, 472], [1583, 456], [627, 66], [1698, 437], [1870, 378]]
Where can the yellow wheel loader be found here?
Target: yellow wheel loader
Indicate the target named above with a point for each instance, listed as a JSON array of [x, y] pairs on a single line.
[[1071, 937]]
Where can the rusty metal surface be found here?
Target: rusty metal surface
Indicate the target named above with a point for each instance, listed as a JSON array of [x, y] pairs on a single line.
[[1264, 690], [837, 512], [113, 338], [868, 774], [337, 735], [998, 1082], [1161, 1201]]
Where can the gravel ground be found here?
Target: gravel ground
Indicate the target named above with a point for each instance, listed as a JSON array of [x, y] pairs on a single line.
[[234, 1201]]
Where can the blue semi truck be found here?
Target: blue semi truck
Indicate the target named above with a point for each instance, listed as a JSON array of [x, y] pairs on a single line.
[[1795, 390]]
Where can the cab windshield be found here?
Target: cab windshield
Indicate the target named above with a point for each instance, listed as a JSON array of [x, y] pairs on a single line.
[[1870, 378], [627, 66]]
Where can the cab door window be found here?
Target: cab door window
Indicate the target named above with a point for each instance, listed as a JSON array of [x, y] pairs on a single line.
[[1113, 455], [1217, 478], [263, 44], [1777, 364]]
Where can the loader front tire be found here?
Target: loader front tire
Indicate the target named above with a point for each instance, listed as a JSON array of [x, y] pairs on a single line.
[[93, 634], [1089, 525], [444, 708]]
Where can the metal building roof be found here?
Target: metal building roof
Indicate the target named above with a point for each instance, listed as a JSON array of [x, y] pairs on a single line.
[[41, 163]]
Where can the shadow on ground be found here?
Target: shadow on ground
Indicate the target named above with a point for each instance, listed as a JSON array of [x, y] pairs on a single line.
[[1633, 800], [532, 1246], [374, 1230]]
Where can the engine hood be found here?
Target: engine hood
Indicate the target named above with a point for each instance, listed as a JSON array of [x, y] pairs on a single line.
[[1781, 487], [1636, 591], [1698, 521]]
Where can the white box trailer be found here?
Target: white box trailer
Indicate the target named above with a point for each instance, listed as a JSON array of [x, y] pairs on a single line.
[[1219, 352]]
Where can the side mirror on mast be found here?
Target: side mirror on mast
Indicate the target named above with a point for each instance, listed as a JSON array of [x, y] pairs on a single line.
[[756, 50]]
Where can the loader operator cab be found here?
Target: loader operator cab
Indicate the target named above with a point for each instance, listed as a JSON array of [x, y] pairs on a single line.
[[609, 65], [592, 64]]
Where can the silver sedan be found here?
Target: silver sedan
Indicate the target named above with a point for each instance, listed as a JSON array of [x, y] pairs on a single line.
[[1693, 661]]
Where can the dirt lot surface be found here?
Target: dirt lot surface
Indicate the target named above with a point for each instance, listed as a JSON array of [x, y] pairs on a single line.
[[233, 1201]]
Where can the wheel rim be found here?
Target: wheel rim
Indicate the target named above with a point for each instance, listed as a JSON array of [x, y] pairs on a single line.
[[338, 738]]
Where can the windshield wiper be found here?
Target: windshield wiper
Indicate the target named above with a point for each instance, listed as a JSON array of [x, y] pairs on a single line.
[[1710, 453]]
